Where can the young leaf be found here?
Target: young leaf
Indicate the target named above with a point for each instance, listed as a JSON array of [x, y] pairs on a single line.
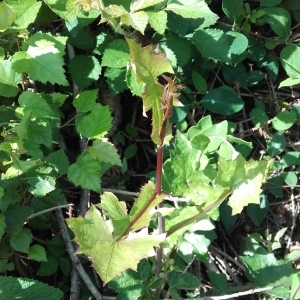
[[7, 16], [86, 172], [96, 241], [158, 21], [96, 124], [148, 65]]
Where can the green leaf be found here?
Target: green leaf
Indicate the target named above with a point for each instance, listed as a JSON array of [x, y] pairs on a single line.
[[290, 178], [276, 144], [2, 225], [106, 152], [8, 77], [147, 66], [245, 180], [210, 41], [96, 124], [257, 213], [7, 16], [43, 60], [270, 3], [86, 173], [90, 70], [96, 241], [58, 160], [228, 220], [184, 281], [289, 82], [158, 21], [24, 288], [130, 151], [25, 12], [258, 116], [49, 267], [85, 101], [191, 9], [234, 74], [142, 4], [21, 241], [222, 101], [239, 44], [233, 9], [115, 80], [279, 20], [284, 120], [116, 55], [290, 158], [289, 59], [41, 185], [37, 253], [14, 225], [199, 83]]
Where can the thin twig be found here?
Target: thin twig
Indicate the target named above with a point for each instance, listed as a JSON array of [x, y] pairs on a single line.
[[75, 260], [48, 210]]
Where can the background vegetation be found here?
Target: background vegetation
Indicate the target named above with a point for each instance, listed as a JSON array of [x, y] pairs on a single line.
[[191, 104]]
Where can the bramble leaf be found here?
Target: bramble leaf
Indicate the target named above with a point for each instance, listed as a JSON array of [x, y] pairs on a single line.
[[86, 172], [110, 257], [8, 79], [43, 60], [96, 124]]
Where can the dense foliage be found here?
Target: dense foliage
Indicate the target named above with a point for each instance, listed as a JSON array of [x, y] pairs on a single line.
[[192, 104]]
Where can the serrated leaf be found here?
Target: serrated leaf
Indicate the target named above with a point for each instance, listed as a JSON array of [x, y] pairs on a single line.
[[37, 253], [96, 124], [25, 12], [8, 78], [24, 288], [85, 101], [116, 54], [43, 59], [90, 70], [233, 9], [86, 173], [141, 4], [158, 21], [7, 16], [148, 65], [146, 200], [58, 160], [106, 152], [138, 20], [21, 241], [41, 185], [191, 9], [244, 179], [110, 257]]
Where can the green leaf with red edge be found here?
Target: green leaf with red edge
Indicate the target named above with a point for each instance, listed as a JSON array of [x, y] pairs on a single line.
[[110, 257], [148, 65], [245, 179]]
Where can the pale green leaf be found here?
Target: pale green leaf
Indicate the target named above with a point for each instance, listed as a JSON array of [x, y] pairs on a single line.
[[289, 82], [110, 257], [158, 21], [90, 70], [37, 253], [25, 12], [85, 101], [7, 16], [116, 54], [41, 185], [191, 9], [96, 124], [141, 4], [106, 152], [21, 241], [239, 44], [138, 20], [86, 173], [8, 79], [146, 200], [148, 65]]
